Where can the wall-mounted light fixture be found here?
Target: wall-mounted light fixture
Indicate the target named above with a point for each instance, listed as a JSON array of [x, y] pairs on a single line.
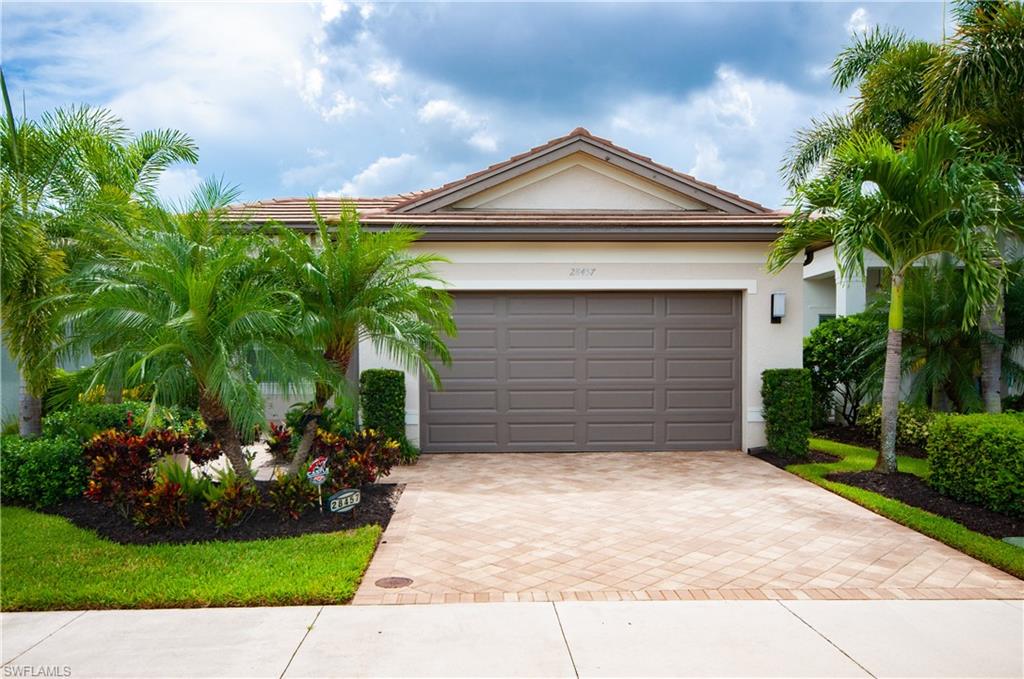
[[778, 306]]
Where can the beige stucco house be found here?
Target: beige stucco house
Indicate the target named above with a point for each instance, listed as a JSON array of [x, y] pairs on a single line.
[[604, 302]]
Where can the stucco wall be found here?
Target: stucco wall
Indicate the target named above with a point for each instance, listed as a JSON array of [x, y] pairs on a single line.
[[636, 266]]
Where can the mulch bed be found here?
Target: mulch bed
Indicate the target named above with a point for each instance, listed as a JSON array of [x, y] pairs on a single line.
[[914, 491], [858, 436], [376, 506], [782, 462]]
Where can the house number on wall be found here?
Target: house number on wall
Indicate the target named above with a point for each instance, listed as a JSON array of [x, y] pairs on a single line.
[[582, 272]]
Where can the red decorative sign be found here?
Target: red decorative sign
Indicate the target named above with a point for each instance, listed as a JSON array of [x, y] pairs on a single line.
[[317, 471]]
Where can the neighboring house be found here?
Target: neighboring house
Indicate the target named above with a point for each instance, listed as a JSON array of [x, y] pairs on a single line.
[[828, 295], [604, 302]]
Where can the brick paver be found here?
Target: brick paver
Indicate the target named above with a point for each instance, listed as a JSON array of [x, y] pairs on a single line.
[[640, 526]]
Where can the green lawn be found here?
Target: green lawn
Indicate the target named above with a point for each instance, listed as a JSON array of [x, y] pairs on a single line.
[[854, 458], [47, 563]]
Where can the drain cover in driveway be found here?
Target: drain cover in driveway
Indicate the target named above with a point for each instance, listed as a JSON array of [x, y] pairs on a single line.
[[393, 582]]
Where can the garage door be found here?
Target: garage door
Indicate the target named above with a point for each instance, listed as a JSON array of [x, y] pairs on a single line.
[[588, 372]]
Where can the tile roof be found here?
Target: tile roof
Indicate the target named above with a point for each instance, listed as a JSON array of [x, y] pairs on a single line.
[[385, 210]]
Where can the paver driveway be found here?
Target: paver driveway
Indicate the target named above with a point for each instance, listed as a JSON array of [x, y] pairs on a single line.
[[610, 526]]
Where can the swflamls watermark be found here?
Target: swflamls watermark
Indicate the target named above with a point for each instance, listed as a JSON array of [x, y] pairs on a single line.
[[31, 671]]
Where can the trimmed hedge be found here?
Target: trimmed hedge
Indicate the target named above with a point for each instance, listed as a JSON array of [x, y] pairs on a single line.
[[786, 395], [980, 459], [382, 395], [41, 472]]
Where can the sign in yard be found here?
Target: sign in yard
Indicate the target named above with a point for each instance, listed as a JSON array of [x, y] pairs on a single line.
[[317, 471], [345, 500], [317, 474]]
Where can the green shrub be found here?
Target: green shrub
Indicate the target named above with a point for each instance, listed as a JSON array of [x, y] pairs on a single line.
[[84, 420], [979, 458], [834, 352], [912, 424], [382, 394], [41, 472], [786, 394]]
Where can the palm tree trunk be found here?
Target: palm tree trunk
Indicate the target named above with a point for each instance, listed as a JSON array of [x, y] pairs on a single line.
[[224, 432], [30, 413], [993, 331], [320, 399], [341, 357], [886, 462]]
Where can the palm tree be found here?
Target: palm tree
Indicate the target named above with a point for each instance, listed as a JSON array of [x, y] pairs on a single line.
[[72, 169], [189, 303], [935, 195], [940, 355], [360, 285], [888, 69], [979, 74]]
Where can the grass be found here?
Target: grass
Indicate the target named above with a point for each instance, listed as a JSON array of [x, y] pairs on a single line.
[[48, 563], [854, 459]]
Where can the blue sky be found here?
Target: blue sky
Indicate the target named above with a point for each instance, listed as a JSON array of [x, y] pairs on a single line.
[[369, 99]]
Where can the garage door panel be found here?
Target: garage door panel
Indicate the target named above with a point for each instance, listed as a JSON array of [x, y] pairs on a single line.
[[547, 305], [619, 307], [534, 399], [700, 399], [619, 339], [719, 339], [541, 338], [474, 338], [531, 368], [620, 399], [541, 433], [696, 368], [462, 401], [707, 305], [468, 369], [588, 371], [612, 369], [628, 433]]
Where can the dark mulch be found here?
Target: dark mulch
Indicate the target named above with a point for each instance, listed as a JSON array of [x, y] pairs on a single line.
[[782, 462], [914, 491], [376, 507], [858, 436]]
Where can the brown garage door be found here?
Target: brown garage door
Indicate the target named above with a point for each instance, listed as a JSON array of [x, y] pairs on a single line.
[[588, 371]]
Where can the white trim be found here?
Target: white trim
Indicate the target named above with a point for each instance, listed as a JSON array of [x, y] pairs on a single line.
[[749, 285]]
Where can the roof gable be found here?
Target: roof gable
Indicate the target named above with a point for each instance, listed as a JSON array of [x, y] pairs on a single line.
[[528, 182], [579, 183]]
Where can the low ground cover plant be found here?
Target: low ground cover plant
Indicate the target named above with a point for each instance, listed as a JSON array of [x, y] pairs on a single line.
[[912, 425]]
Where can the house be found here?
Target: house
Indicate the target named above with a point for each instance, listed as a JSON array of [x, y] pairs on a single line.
[[604, 302], [828, 294]]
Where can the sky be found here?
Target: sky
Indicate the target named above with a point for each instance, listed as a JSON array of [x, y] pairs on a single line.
[[335, 98]]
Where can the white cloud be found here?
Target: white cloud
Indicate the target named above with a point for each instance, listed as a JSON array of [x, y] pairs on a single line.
[[708, 162], [484, 141], [387, 174], [473, 128], [384, 74], [733, 133], [331, 10], [859, 22], [341, 105], [176, 184]]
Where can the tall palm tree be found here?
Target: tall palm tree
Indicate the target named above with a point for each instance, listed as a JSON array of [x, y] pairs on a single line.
[[189, 303], [72, 169], [888, 70], [979, 74], [935, 195], [361, 285]]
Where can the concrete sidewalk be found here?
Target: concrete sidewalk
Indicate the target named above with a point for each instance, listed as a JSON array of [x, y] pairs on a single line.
[[566, 639]]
